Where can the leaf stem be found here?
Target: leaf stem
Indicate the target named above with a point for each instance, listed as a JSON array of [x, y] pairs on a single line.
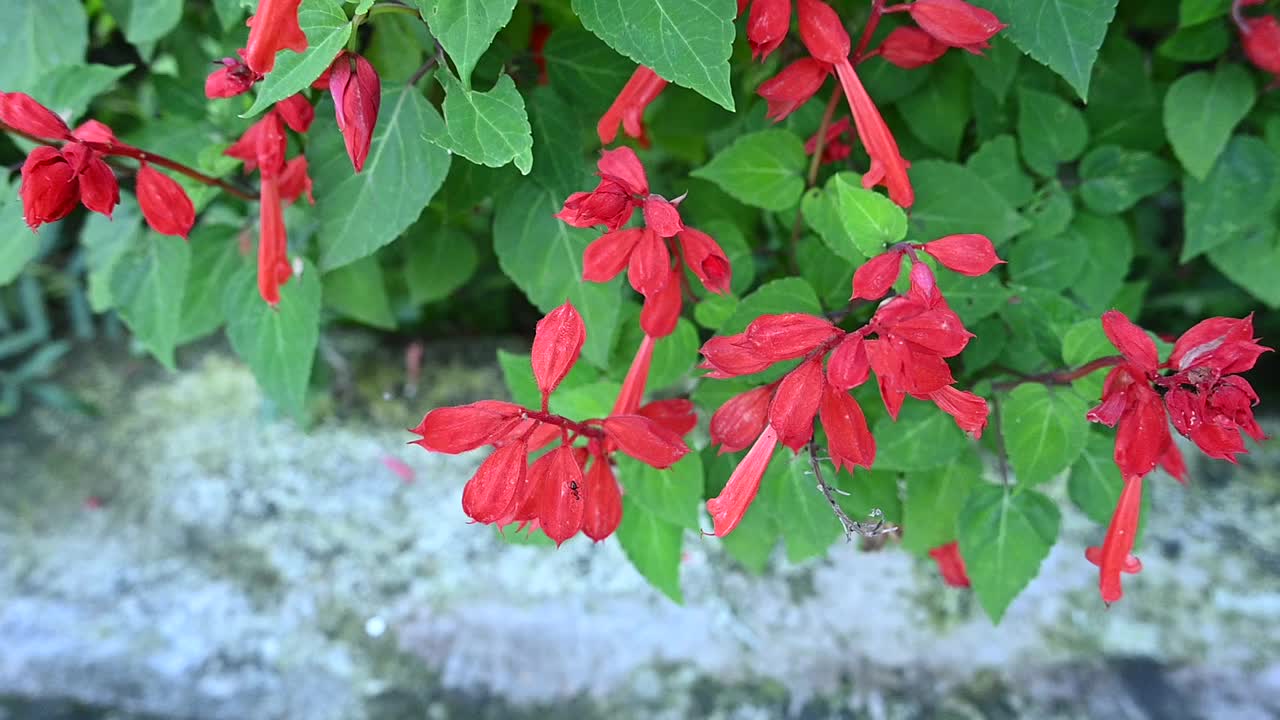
[[387, 8]]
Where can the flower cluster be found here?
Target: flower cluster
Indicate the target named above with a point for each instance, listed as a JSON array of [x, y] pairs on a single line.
[[1198, 389], [652, 254], [905, 343], [56, 180], [572, 486]]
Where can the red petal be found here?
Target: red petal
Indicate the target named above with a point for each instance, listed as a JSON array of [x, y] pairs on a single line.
[[955, 22], [92, 131], [849, 439], [939, 331], [1225, 344], [1174, 464], [661, 311], [767, 26], [848, 366], [273, 28], [623, 166], [560, 504], [606, 256], [357, 97], [971, 255], [876, 276], [889, 374], [791, 88], [741, 420], [822, 32], [50, 189], [951, 564], [462, 428], [1142, 435], [796, 402], [164, 203], [969, 410], [705, 259], [295, 180], [557, 344], [24, 114], [662, 217], [296, 112], [645, 440], [888, 167], [676, 414], [1131, 340], [602, 501], [99, 189], [732, 355], [490, 491], [1114, 557], [731, 504], [910, 48], [650, 267], [790, 335]]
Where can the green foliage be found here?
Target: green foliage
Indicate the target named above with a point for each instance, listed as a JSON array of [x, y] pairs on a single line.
[[328, 30], [764, 169], [1004, 536]]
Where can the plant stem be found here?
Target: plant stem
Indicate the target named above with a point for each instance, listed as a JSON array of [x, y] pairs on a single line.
[[851, 528], [811, 179], [1058, 377], [566, 423], [873, 21]]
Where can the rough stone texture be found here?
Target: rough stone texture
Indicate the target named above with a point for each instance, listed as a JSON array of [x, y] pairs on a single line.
[[242, 568]]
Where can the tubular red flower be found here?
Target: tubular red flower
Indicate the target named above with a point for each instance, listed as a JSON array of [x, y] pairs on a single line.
[[790, 335], [274, 27], [164, 203], [849, 440], [741, 420], [557, 343], [273, 251], [795, 403], [822, 32], [50, 189], [956, 23], [459, 429], [489, 493], [232, 79], [1114, 557], [767, 26], [971, 255], [834, 149], [357, 97], [791, 88], [910, 48], [645, 440], [601, 502], [560, 501], [623, 166], [24, 114], [951, 564], [295, 181], [731, 504], [608, 254], [873, 279], [628, 108], [661, 311], [296, 112], [704, 257], [887, 164], [637, 376], [650, 267]]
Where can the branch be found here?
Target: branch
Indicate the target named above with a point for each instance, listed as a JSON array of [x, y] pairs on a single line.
[[851, 528], [1057, 377]]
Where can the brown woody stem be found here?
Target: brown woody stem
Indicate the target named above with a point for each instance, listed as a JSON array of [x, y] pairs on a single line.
[[1058, 377], [851, 528]]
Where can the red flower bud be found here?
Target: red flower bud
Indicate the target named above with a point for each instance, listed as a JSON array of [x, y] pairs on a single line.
[[796, 403], [731, 504], [822, 32], [232, 79], [296, 112], [956, 23], [557, 343], [951, 565], [50, 189], [876, 276], [602, 501], [767, 26], [971, 255], [791, 88], [650, 268], [609, 204], [645, 440], [99, 190], [357, 97], [489, 493], [164, 203], [1261, 40], [459, 429], [848, 438], [22, 113], [731, 356], [910, 48], [790, 335], [740, 420], [560, 503], [607, 255], [272, 29], [705, 258], [661, 217]]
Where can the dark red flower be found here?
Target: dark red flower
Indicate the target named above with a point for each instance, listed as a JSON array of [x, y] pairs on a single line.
[[538, 36], [956, 23], [791, 88], [910, 48], [950, 564], [609, 204], [628, 108], [1114, 557], [767, 26], [164, 203], [274, 27], [357, 97]]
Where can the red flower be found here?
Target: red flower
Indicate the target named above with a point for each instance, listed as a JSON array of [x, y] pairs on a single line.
[[661, 216], [910, 48], [956, 23], [296, 112], [849, 366], [164, 203], [490, 492], [628, 109], [822, 32], [675, 414], [295, 181], [1128, 400], [1114, 557], [556, 346], [602, 501], [1261, 40], [950, 564], [232, 79], [273, 245], [645, 440], [731, 504], [538, 36], [357, 97], [791, 88], [609, 204], [888, 167], [263, 146], [661, 311], [92, 131], [741, 420], [559, 496], [274, 27], [969, 411], [632, 391], [796, 402], [99, 190], [454, 430], [834, 148], [849, 440], [703, 256], [24, 114], [50, 189], [767, 26], [971, 255]]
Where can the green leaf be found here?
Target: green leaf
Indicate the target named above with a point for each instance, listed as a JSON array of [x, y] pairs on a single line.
[[855, 223], [1050, 131], [517, 373], [360, 213], [673, 356], [1081, 343], [1064, 35], [830, 275], [806, 520], [868, 492], [1044, 431], [488, 128], [673, 495], [41, 34], [279, 344], [1095, 482], [439, 261], [786, 295], [1108, 255], [1050, 262], [230, 13], [69, 89], [104, 240], [1234, 200], [1004, 537], [1125, 105], [148, 280], [1201, 43], [18, 245], [996, 68], [924, 437], [688, 43], [215, 257], [584, 69], [327, 29], [557, 150], [764, 169], [1250, 261], [939, 111], [1114, 178], [952, 199], [466, 28], [543, 256], [357, 291], [1194, 12], [652, 545], [145, 21], [973, 298], [933, 502], [752, 542], [592, 400], [997, 163], [1200, 112]]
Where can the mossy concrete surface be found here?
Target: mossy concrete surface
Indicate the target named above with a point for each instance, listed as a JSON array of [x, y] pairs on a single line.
[[187, 555]]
